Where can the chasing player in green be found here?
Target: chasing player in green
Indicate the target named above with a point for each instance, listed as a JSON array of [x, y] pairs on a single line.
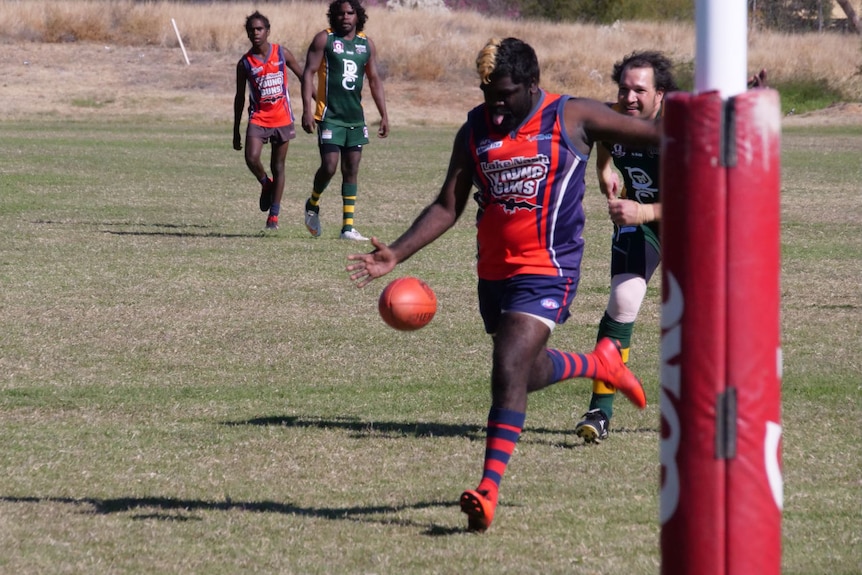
[[341, 57], [644, 79]]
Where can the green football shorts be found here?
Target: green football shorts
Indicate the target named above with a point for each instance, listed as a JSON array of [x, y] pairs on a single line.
[[341, 136]]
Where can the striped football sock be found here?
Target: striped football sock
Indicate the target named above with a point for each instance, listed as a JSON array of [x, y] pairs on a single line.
[[348, 201], [504, 429]]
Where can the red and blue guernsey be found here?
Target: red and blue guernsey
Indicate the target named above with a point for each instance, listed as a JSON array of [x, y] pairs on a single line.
[[531, 189], [268, 100]]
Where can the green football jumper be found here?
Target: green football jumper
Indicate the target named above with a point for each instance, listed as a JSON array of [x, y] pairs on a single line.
[[340, 80]]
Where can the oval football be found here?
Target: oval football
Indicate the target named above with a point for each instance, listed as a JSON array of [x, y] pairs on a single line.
[[407, 304]]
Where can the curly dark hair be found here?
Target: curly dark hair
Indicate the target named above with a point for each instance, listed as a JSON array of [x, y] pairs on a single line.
[[361, 15], [661, 65], [256, 16]]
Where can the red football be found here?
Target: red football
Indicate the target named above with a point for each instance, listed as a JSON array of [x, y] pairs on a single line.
[[407, 303]]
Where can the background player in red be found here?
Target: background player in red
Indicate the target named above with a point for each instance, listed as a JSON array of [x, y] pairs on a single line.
[[270, 117], [527, 151]]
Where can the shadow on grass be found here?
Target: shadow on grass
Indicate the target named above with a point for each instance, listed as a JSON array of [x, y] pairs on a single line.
[[187, 234], [359, 428], [161, 508], [164, 230]]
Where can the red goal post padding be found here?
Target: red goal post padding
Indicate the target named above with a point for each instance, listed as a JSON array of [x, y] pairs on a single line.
[[720, 507]]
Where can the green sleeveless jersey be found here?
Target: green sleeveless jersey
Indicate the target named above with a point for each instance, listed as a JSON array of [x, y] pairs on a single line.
[[340, 80]]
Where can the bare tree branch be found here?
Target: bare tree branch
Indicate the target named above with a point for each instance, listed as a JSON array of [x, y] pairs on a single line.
[[851, 14]]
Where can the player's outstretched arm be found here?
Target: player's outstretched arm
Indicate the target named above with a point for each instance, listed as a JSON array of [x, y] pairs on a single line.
[[435, 219], [589, 121]]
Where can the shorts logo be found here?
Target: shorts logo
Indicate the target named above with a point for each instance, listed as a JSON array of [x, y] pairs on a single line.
[[549, 303], [326, 135]]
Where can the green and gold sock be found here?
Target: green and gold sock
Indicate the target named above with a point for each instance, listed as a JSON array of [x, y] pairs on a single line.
[[348, 199]]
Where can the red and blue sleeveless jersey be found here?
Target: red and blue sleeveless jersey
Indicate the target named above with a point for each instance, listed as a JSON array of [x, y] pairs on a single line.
[[531, 191], [268, 100]]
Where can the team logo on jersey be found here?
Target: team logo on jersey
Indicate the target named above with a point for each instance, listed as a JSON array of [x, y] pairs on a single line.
[[549, 303], [271, 86], [349, 75], [360, 49], [645, 189], [338, 47], [618, 151], [539, 137], [514, 183]]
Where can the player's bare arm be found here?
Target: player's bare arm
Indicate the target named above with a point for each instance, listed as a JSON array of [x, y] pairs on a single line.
[[375, 84], [292, 64], [609, 180], [238, 104], [432, 222], [589, 121], [313, 59]]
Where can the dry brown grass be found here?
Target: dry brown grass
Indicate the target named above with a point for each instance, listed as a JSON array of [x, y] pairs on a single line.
[[427, 57]]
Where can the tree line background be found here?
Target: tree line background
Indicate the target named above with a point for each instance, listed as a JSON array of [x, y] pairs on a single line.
[[783, 15], [780, 15]]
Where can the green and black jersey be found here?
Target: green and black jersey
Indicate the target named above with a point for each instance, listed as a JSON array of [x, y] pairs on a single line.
[[640, 170], [340, 80]]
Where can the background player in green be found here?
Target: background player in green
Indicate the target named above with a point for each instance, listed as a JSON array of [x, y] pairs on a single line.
[[341, 56], [643, 80]]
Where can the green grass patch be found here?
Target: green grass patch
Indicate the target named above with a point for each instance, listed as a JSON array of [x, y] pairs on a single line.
[[184, 393], [799, 96]]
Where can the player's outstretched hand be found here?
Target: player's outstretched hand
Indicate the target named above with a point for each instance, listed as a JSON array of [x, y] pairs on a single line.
[[371, 265]]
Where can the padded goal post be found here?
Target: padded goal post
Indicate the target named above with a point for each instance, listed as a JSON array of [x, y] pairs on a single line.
[[721, 484]]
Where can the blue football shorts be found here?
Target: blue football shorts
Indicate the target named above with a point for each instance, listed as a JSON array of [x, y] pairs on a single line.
[[547, 298]]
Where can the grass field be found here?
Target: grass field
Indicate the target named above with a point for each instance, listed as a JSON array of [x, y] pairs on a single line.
[[181, 392]]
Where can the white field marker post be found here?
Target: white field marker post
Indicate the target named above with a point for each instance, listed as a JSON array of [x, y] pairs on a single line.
[[180, 40], [720, 398]]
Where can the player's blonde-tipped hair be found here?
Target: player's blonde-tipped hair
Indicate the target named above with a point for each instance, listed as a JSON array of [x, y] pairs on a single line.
[[486, 61], [507, 57]]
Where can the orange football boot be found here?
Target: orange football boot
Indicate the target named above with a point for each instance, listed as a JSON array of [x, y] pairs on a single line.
[[608, 353]]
